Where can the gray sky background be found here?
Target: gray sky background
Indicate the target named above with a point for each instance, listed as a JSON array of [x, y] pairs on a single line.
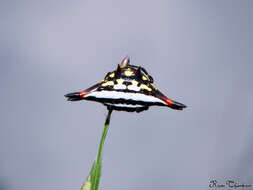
[[199, 53]]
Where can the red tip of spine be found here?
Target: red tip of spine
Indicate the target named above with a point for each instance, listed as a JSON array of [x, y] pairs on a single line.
[[82, 94], [168, 101]]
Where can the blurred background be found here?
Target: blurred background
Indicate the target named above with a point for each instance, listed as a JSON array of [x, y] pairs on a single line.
[[199, 53]]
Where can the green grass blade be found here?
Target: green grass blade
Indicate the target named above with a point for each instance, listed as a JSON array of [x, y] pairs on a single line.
[[92, 181], [87, 184]]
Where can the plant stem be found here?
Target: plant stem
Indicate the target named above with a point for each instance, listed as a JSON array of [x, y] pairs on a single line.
[[97, 172], [92, 181], [102, 140]]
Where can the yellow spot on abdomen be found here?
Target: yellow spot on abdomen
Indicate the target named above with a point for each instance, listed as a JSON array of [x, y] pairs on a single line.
[[120, 81], [109, 83], [112, 75], [144, 78], [128, 73], [134, 82], [153, 86], [143, 86]]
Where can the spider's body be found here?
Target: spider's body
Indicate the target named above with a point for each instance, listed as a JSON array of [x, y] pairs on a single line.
[[128, 88]]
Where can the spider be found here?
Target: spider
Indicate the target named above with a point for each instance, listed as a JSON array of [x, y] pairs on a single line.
[[128, 88]]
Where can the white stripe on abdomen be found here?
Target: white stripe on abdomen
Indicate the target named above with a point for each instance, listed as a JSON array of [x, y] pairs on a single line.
[[124, 95], [124, 105]]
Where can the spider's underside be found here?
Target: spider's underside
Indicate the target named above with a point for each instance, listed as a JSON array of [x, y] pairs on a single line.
[[128, 88]]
